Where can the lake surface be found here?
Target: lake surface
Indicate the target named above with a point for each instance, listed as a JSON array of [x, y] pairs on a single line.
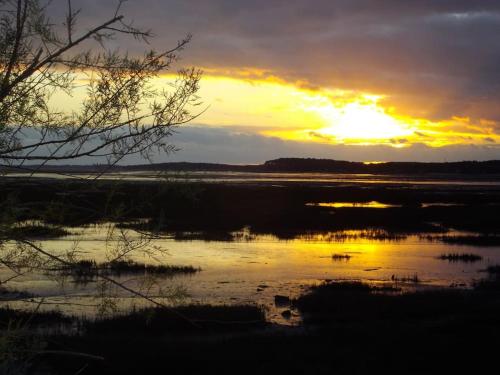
[[254, 269], [276, 178]]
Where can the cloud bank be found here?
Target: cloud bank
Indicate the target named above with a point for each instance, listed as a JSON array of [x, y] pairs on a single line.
[[231, 145], [432, 58]]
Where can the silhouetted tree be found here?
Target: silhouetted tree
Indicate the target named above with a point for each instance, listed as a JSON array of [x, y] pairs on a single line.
[[121, 114]]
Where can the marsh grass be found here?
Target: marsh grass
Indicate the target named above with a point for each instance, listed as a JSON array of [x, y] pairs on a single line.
[[456, 257], [207, 236], [118, 267], [476, 240], [341, 257], [84, 269], [492, 282], [350, 235], [359, 302], [147, 321], [343, 287], [406, 279], [33, 319], [37, 231], [13, 294], [157, 321], [494, 270], [342, 321]]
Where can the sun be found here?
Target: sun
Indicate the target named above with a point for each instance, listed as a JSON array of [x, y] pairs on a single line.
[[360, 121]]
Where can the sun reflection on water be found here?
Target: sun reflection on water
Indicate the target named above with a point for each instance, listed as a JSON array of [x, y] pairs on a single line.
[[371, 204]]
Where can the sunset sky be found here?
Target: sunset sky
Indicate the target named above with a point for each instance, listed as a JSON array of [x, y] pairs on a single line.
[[342, 79]]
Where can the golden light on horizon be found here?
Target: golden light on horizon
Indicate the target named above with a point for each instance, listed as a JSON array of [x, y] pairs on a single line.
[[289, 111], [254, 102], [361, 120]]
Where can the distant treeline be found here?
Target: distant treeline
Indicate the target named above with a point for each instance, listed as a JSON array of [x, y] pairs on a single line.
[[295, 165]]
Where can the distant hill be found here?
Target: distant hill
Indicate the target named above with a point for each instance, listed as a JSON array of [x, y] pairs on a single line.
[[336, 166], [298, 165]]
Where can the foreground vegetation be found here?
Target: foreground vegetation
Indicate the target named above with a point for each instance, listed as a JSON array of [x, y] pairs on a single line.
[[348, 327]]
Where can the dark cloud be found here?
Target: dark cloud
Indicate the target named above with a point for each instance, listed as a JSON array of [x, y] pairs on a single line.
[[434, 58]]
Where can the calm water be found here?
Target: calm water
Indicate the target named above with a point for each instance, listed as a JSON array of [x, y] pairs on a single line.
[[254, 271], [276, 178]]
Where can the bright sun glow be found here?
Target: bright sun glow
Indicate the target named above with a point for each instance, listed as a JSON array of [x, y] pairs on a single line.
[[361, 120], [251, 103]]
